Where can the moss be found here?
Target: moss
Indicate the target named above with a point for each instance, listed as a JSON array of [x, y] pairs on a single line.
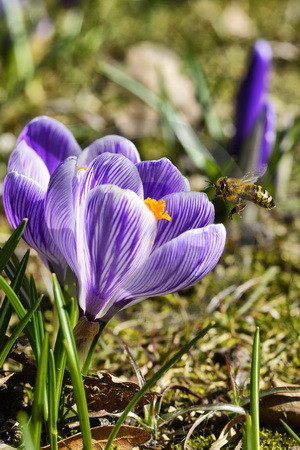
[[201, 442], [275, 440]]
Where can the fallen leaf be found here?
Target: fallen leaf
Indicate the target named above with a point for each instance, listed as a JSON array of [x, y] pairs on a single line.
[[284, 406], [128, 438], [108, 393]]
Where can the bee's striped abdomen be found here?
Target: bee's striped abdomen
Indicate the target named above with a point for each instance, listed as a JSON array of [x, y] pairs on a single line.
[[263, 198], [259, 196]]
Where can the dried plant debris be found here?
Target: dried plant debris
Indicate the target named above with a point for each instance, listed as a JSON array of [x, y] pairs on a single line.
[[285, 406], [106, 393], [128, 438]]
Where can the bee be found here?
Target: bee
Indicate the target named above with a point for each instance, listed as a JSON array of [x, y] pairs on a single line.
[[243, 190]]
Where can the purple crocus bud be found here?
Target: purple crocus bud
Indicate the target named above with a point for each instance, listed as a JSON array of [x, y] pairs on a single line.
[[254, 136]]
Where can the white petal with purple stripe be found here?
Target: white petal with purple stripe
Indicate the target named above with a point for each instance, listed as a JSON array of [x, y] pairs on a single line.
[[114, 235], [161, 178], [51, 140], [113, 169], [188, 210], [175, 265], [59, 209], [24, 198], [111, 144], [24, 160]]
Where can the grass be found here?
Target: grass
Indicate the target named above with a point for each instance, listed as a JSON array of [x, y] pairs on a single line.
[[202, 375], [171, 321]]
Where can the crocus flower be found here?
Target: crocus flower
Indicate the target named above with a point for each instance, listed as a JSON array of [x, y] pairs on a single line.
[[255, 116], [41, 147], [128, 229]]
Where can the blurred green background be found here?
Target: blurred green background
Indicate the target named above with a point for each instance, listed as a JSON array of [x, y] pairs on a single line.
[[52, 54]]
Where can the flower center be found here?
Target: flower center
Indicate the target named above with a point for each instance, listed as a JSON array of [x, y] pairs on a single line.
[[79, 168], [158, 207]]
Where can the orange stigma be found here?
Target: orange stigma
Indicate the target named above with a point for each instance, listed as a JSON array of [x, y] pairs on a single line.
[[158, 207], [79, 168]]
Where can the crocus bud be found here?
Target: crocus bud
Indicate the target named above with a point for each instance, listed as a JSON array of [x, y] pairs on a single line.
[[255, 116]]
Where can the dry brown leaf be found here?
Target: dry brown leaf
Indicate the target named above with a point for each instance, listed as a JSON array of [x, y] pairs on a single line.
[[127, 439], [99, 390], [284, 406], [110, 394]]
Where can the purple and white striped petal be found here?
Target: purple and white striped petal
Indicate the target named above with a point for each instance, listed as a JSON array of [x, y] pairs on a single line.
[[117, 232], [59, 209], [110, 144], [26, 161], [188, 210], [110, 168], [24, 198], [51, 140], [161, 178], [178, 264]]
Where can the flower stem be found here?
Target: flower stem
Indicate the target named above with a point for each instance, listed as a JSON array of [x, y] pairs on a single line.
[[85, 333], [92, 345]]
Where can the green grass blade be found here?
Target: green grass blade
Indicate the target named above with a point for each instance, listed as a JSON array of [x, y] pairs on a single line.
[[247, 436], [17, 331], [27, 436], [60, 366], [197, 152], [5, 315], [290, 431], [6, 309], [10, 270], [52, 401], [19, 309], [73, 364], [152, 381], [19, 274], [60, 355], [38, 406], [9, 247], [13, 298], [211, 119], [16, 273], [254, 391], [37, 320], [277, 390]]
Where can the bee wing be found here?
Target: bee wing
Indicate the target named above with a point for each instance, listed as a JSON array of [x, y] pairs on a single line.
[[253, 175]]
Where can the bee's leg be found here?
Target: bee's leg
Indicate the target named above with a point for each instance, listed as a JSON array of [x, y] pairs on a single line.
[[241, 206], [233, 211], [237, 209]]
